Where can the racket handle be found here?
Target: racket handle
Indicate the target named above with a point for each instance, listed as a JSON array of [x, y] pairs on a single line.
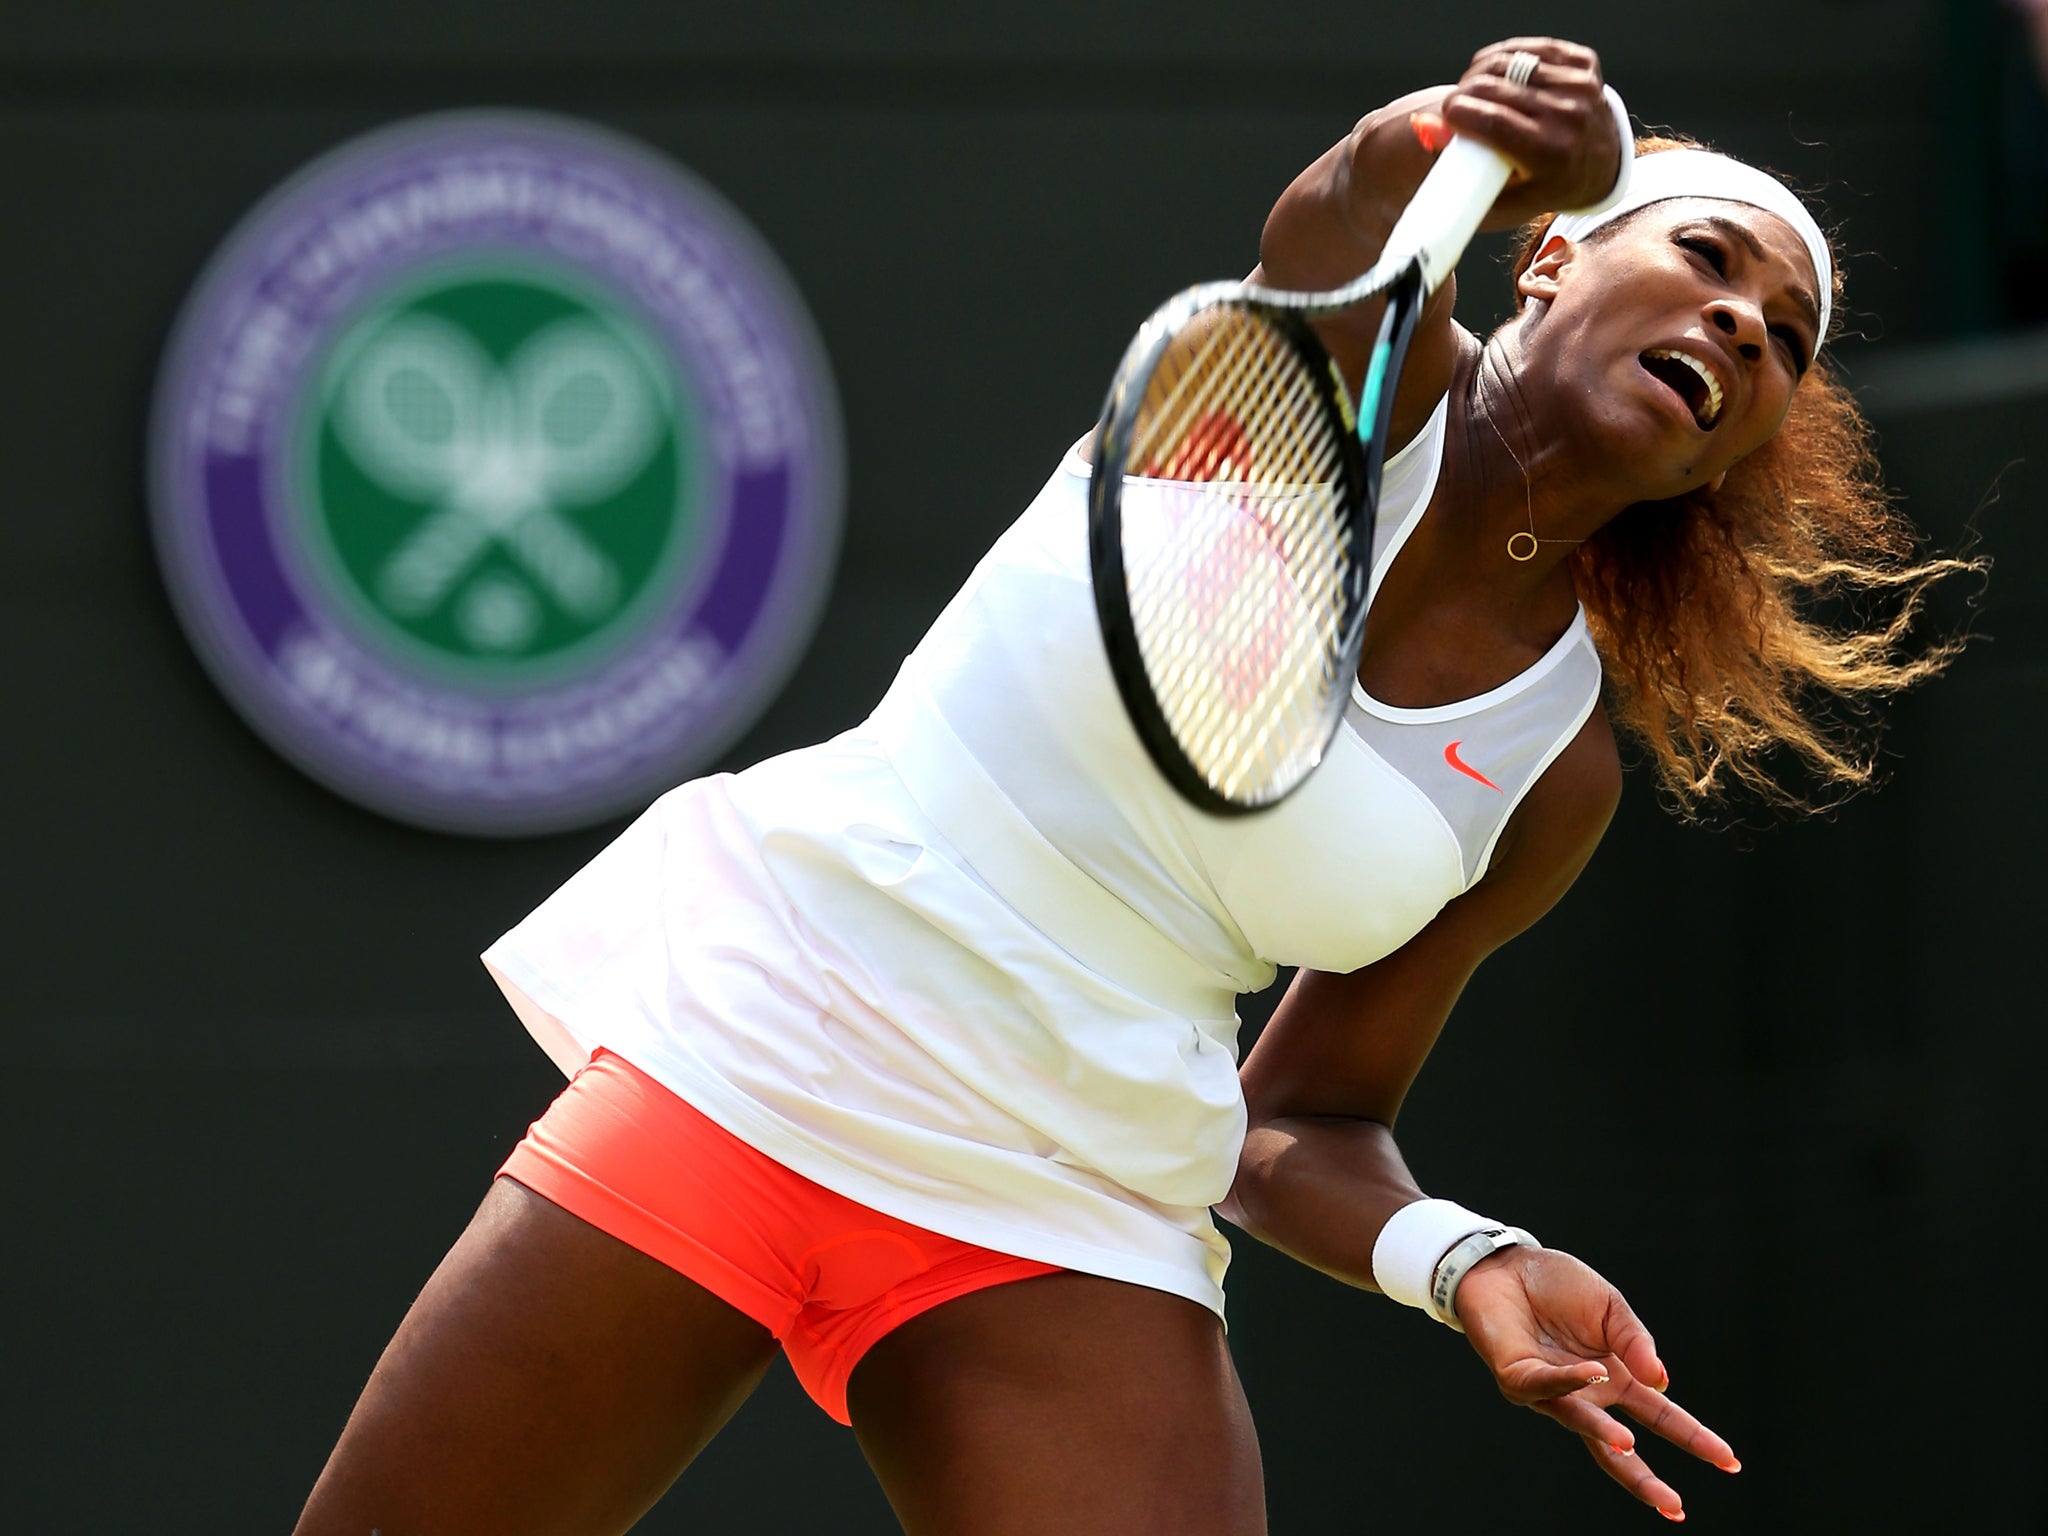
[[1440, 219]]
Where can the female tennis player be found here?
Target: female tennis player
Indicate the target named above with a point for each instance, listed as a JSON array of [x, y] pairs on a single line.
[[913, 1053]]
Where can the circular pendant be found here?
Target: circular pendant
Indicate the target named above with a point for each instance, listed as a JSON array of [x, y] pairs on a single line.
[[1522, 547]]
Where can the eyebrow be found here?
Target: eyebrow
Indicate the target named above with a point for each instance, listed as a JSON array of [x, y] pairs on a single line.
[[1742, 232]]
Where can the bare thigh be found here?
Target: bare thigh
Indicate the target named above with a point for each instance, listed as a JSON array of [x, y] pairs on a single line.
[[548, 1379], [1066, 1403]]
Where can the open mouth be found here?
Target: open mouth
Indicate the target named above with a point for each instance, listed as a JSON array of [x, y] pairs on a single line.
[[1688, 378]]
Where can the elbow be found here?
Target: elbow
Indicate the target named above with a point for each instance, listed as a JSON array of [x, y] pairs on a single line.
[[1254, 1176], [1287, 1157], [1247, 1198]]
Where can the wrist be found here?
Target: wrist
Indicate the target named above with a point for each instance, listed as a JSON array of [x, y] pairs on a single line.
[[1427, 1247], [1390, 156], [1469, 1256]]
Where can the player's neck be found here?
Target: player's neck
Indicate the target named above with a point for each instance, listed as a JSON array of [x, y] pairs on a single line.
[[1526, 503]]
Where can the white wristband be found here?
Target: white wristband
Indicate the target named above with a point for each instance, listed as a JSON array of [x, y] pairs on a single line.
[[1405, 1256], [1628, 159]]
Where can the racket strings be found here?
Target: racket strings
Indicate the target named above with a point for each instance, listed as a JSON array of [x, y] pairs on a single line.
[[1236, 549], [1281, 488], [1244, 358]]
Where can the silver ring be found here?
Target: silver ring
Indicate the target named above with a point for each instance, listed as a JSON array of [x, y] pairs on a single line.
[[1521, 66]]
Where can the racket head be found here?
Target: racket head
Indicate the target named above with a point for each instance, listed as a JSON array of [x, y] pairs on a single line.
[[1230, 533]]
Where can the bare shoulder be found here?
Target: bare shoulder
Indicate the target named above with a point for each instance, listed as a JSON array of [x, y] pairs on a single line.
[[1440, 359], [1559, 822], [1549, 840], [1583, 785]]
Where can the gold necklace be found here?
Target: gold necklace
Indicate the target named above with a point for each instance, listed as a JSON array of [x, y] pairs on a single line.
[[1522, 546]]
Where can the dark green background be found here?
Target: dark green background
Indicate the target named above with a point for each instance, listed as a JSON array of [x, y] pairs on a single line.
[[1781, 1086]]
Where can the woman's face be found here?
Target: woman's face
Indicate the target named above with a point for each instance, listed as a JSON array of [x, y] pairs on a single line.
[[1684, 328]]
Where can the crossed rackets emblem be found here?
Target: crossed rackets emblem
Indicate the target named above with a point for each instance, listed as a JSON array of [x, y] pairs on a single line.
[[497, 452]]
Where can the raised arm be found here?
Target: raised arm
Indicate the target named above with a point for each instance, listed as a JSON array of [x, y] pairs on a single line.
[[1330, 224]]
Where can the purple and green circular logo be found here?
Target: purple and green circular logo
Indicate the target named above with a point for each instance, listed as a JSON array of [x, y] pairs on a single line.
[[496, 472]]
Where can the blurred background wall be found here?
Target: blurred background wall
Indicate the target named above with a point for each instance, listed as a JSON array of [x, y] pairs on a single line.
[[1779, 1084]]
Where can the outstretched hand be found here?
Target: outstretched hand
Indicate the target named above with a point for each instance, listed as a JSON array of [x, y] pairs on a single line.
[[1561, 1340]]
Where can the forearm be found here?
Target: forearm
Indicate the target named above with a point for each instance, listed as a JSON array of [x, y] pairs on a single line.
[[1331, 223], [1320, 1188]]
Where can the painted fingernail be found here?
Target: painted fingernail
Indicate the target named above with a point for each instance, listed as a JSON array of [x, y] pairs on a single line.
[[1596, 1381], [1672, 1514], [1731, 1465], [1622, 1450], [1431, 131]]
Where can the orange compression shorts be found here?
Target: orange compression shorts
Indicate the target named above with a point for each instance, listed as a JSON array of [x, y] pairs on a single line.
[[826, 1275]]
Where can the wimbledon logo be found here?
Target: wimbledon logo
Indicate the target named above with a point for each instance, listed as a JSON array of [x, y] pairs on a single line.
[[496, 473]]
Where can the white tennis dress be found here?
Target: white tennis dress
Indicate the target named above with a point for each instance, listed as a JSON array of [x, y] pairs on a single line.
[[974, 963]]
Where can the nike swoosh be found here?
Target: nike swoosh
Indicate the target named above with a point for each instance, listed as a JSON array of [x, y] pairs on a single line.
[[1457, 762]]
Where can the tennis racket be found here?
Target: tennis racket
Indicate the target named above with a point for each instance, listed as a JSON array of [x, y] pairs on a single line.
[[1231, 505]]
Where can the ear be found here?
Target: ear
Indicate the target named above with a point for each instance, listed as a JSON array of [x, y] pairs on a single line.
[[1539, 279]]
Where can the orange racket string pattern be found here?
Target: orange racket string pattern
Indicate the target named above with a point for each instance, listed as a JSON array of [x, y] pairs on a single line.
[[1235, 549]]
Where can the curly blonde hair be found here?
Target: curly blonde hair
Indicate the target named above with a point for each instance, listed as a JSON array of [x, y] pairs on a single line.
[[1741, 626]]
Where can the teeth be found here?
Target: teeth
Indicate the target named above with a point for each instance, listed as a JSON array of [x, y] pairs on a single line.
[[1713, 412]]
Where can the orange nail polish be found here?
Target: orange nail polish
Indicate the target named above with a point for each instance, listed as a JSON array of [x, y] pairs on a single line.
[[1431, 131], [1622, 1450], [1731, 1465], [1672, 1514]]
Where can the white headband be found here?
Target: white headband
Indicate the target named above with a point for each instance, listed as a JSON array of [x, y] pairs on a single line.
[[1670, 173]]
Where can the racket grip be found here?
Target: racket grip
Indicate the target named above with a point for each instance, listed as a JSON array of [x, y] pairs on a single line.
[[1440, 219]]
